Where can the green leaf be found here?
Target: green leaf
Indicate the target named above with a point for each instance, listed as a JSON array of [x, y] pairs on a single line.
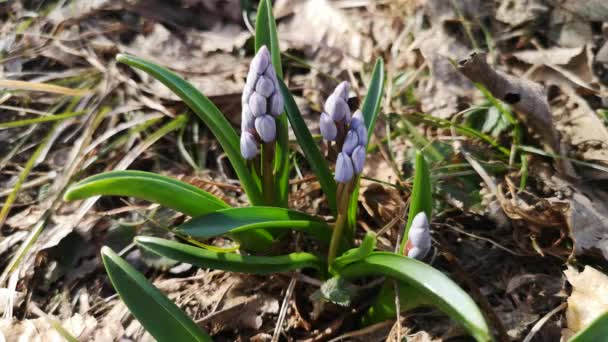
[[439, 290], [355, 254], [336, 290], [156, 313], [421, 197], [209, 114], [266, 34], [370, 110], [235, 220], [229, 261], [169, 192], [596, 331], [313, 155], [373, 99]]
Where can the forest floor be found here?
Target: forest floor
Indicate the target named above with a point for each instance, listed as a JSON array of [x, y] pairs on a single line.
[[520, 173]]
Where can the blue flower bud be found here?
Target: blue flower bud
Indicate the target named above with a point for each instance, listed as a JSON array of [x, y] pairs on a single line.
[[344, 168], [260, 62], [257, 104], [342, 90], [419, 236], [276, 104], [361, 134], [329, 131], [249, 147], [350, 142], [266, 128], [247, 119], [357, 120], [264, 86], [337, 108], [358, 158]]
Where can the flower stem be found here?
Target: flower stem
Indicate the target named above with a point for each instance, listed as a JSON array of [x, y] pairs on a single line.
[[343, 198], [267, 172]]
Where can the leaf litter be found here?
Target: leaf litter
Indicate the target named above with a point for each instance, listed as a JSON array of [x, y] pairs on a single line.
[[550, 56]]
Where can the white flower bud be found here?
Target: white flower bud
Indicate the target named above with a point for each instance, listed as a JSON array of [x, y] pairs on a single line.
[[358, 158], [329, 131], [249, 147], [344, 168], [266, 127], [350, 142], [264, 86], [419, 236], [257, 104]]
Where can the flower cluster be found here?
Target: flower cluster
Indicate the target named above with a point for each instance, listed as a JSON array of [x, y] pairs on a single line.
[[262, 102], [352, 158], [419, 239], [337, 113]]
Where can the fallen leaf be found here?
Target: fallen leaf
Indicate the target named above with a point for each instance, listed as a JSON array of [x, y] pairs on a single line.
[[588, 224], [41, 329], [589, 298], [517, 12]]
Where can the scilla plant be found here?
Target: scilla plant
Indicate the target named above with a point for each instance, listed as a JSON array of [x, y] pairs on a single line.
[[259, 157]]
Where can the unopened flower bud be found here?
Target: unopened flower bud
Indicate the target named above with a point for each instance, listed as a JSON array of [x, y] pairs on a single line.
[[266, 127], [247, 119], [342, 90], [357, 120], [276, 104], [350, 142], [419, 238], [260, 62], [362, 135], [358, 158], [249, 147], [257, 104], [337, 108], [328, 128], [344, 168], [264, 86]]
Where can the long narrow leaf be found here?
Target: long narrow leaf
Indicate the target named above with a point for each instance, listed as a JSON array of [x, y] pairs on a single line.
[[156, 313], [169, 192], [211, 116], [309, 146], [266, 34], [370, 109], [229, 261], [237, 220], [421, 197], [440, 290]]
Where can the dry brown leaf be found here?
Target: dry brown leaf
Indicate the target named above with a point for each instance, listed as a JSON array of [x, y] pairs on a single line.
[[517, 12], [588, 223], [588, 300], [41, 330]]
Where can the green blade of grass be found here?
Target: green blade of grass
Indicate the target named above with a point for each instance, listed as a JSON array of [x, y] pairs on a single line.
[[229, 261], [48, 118], [209, 114], [235, 220], [156, 313], [309, 147], [438, 289]]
